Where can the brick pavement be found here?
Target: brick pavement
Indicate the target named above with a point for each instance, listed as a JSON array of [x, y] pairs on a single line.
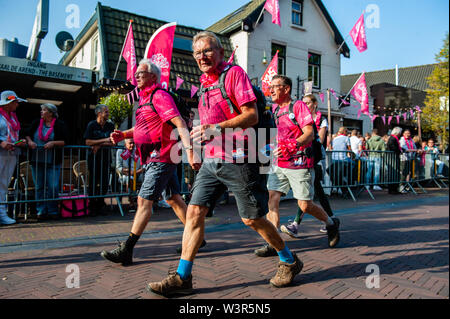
[[405, 236]]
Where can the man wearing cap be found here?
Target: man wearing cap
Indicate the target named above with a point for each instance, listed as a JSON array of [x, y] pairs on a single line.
[[9, 140]]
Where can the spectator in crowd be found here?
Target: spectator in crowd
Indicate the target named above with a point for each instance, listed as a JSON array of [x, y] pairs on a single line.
[[393, 145], [99, 157], [46, 134], [385, 139], [220, 170], [322, 127], [376, 146], [9, 141], [355, 143], [126, 162], [367, 137], [409, 155], [342, 144], [432, 149]]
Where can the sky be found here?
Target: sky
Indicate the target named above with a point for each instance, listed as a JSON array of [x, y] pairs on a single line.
[[404, 32]]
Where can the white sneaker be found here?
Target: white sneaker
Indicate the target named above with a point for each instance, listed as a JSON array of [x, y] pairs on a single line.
[[323, 229], [163, 204], [377, 188], [291, 230]]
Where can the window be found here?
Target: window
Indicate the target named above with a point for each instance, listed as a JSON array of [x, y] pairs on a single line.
[[314, 69], [94, 59], [297, 12], [281, 57]]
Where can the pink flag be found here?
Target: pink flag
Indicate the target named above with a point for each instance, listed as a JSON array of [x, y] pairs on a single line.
[[159, 50], [389, 120], [271, 71], [273, 7], [231, 59], [404, 116], [358, 34], [129, 54], [334, 94], [322, 97], [194, 90], [179, 82], [398, 119], [360, 93]]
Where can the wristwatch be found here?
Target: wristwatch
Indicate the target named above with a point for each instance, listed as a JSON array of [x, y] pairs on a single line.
[[218, 128]]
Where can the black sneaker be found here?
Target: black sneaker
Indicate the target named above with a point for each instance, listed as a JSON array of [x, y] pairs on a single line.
[[333, 233], [119, 255], [180, 248], [266, 251]]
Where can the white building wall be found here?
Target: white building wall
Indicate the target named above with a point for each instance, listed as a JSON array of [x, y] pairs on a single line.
[[315, 36]]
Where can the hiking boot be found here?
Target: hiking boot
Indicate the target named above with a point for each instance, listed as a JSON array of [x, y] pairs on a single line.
[[286, 272], [180, 248], [266, 251], [333, 233], [119, 255], [172, 285], [291, 230]]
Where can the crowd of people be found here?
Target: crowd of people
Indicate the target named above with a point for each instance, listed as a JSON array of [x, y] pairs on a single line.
[[227, 101]]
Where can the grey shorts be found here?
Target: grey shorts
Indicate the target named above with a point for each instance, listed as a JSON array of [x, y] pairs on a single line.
[[243, 180], [159, 178], [300, 180]]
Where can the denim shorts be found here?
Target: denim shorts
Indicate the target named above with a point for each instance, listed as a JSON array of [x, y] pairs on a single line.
[[243, 180], [159, 177]]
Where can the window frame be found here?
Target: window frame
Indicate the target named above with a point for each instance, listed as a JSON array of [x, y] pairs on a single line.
[[281, 56], [295, 12], [316, 70]]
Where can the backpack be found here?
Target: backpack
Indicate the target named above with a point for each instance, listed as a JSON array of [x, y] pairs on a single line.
[[182, 106], [316, 149], [265, 118]]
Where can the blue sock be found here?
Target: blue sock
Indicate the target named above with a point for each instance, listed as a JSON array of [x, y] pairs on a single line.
[[184, 268], [286, 255]]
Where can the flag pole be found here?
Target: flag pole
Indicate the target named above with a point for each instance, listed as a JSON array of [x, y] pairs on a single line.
[[329, 113], [123, 47], [262, 11], [351, 88], [338, 50]]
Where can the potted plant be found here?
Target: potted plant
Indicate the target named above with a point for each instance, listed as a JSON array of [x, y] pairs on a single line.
[[119, 108]]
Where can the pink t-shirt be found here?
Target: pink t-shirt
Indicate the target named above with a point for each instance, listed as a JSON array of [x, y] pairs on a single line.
[[287, 130], [213, 109], [152, 131]]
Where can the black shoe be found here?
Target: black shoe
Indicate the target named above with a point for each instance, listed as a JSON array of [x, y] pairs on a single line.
[[266, 251], [119, 255], [180, 248], [333, 233]]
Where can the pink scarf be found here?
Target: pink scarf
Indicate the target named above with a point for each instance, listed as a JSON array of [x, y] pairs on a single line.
[[49, 132], [318, 117], [208, 80], [12, 122], [409, 143], [398, 142]]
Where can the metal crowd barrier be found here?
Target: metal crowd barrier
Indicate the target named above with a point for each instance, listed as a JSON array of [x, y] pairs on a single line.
[[41, 177], [79, 169]]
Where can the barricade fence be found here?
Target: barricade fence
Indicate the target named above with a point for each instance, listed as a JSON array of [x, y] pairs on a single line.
[[49, 177]]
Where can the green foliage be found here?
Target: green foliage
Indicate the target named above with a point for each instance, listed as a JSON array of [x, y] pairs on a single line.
[[435, 114], [119, 108]]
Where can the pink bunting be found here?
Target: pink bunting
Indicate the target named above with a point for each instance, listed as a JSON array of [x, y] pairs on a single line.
[[384, 119], [179, 82], [389, 120], [322, 97], [374, 117], [404, 116], [418, 108], [398, 119], [334, 94], [411, 112], [194, 90]]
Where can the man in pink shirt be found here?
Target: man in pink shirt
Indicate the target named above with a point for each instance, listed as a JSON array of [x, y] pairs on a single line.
[[293, 167], [225, 166], [156, 117]]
